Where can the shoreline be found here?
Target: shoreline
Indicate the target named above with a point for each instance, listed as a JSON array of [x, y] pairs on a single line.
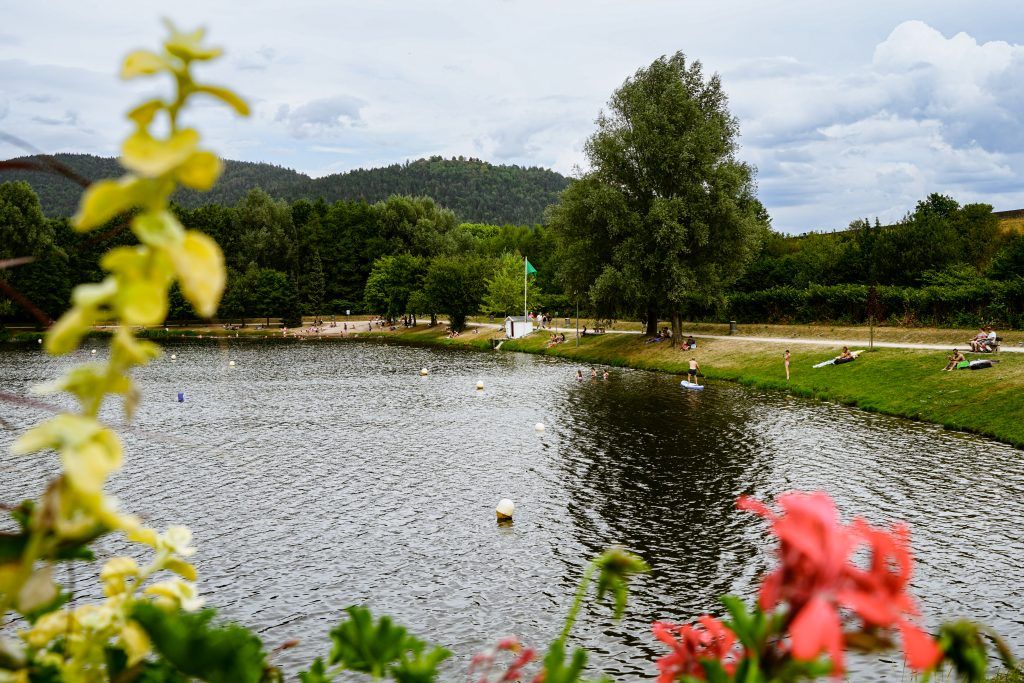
[[901, 382]]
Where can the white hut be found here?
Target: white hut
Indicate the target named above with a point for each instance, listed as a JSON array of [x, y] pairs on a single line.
[[518, 326]]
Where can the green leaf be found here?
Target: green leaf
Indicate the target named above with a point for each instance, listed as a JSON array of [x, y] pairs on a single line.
[[188, 641], [556, 670], [617, 567], [381, 648], [317, 673]]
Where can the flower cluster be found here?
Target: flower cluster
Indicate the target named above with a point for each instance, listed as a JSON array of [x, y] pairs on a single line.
[[708, 639], [815, 604], [817, 578], [482, 664]]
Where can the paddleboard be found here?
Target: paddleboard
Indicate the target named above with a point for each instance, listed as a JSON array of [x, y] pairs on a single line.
[[690, 385]]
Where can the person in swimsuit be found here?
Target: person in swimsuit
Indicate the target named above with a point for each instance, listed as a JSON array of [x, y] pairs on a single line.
[[955, 359], [691, 376], [786, 362]]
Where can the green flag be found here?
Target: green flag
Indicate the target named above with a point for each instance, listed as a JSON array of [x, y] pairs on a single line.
[[529, 266]]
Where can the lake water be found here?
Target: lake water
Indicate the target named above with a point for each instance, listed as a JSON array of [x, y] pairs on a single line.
[[319, 474]]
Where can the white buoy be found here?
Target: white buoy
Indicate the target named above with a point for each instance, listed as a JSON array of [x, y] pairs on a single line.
[[174, 356], [539, 427], [231, 363], [39, 341], [424, 372], [480, 386], [505, 509], [93, 352]]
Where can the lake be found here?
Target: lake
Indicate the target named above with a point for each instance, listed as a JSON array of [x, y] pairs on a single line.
[[319, 474]]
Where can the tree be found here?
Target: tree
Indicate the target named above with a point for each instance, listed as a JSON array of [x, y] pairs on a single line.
[[505, 287], [667, 216], [392, 282], [314, 285], [455, 285], [25, 232]]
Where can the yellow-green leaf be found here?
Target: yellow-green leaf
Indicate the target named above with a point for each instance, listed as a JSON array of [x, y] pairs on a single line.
[[142, 302], [128, 262], [38, 438], [144, 114], [181, 568], [65, 334], [151, 157], [94, 294], [200, 267], [142, 63], [200, 171], [135, 641], [131, 350], [158, 228], [105, 199], [39, 590], [228, 97], [187, 46]]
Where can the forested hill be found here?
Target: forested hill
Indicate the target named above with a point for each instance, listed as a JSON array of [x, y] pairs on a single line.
[[475, 190]]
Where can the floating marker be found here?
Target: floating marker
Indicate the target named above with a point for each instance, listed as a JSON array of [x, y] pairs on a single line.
[[539, 427], [424, 372], [231, 363], [505, 509], [174, 356], [39, 340], [181, 397], [93, 352], [480, 386]]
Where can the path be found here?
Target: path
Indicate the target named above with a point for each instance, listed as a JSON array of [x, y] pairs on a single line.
[[803, 340], [360, 327]]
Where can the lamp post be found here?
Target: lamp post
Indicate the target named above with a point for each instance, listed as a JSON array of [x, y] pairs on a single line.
[[577, 319]]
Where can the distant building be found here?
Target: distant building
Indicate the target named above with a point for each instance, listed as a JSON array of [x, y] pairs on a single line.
[[518, 326]]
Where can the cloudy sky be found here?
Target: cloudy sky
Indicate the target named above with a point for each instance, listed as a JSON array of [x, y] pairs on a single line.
[[848, 109]]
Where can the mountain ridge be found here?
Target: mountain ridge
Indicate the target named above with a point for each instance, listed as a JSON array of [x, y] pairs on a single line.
[[476, 190]]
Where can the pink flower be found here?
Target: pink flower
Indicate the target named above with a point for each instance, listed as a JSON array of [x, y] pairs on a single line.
[[691, 643], [482, 662], [816, 578]]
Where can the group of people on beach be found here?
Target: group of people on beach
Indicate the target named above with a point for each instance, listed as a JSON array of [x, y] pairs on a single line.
[[555, 339], [665, 333]]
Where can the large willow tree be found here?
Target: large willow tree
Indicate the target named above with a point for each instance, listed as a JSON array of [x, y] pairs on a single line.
[[666, 218]]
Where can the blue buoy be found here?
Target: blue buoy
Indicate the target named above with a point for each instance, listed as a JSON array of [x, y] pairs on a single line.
[[181, 397]]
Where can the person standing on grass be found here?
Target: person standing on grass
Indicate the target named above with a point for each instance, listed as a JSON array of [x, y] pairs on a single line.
[[786, 362], [691, 376]]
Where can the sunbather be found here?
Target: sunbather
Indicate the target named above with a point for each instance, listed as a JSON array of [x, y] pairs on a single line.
[[954, 360]]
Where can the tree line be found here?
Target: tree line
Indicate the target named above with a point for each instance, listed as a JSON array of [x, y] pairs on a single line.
[[475, 190], [665, 225], [401, 256]]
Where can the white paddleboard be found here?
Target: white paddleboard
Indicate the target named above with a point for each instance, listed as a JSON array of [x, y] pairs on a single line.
[[690, 385]]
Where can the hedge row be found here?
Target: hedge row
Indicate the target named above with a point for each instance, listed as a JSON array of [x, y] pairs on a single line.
[[1000, 303]]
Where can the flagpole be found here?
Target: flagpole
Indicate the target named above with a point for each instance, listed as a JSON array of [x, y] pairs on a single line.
[[525, 261]]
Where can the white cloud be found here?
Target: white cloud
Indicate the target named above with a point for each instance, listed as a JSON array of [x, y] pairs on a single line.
[[860, 109], [322, 117]]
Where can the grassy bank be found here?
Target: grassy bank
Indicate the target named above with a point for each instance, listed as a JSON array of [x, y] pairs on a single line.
[[902, 382]]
